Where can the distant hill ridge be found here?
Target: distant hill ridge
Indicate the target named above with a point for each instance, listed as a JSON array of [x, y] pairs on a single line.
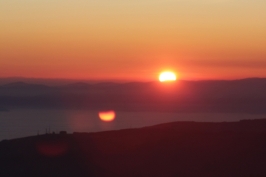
[[23, 85], [234, 96]]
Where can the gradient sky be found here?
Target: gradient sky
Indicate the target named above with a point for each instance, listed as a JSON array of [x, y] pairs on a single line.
[[132, 40]]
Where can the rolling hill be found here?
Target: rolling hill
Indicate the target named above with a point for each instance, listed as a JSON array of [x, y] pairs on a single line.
[[188, 149]]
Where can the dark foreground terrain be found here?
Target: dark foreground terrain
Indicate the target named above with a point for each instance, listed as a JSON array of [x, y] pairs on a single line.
[[185, 149]]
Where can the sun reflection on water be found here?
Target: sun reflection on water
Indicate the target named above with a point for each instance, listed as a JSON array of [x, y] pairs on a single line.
[[107, 116]]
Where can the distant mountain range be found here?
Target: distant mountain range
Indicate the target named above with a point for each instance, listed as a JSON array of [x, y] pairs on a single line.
[[187, 149], [246, 95]]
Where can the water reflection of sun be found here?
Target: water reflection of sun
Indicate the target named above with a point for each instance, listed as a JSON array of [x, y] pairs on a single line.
[[107, 116]]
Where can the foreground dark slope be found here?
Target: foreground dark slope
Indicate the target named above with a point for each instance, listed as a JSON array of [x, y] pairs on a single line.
[[186, 149]]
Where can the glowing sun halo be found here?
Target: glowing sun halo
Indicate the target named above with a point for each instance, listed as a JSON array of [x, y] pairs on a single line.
[[167, 76]]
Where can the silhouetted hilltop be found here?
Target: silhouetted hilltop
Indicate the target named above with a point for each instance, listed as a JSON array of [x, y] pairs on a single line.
[[22, 89], [17, 86], [187, 149], [241, 96], [78, 85]]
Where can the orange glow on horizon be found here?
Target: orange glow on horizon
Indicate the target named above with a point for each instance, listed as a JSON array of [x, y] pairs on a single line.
[[86, 40], [107, 116]]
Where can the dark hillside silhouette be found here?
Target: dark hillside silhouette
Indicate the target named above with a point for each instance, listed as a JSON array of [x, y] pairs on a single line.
[[3, 109], [187, 149]]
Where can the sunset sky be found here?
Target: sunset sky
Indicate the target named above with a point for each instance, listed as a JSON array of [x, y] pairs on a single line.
[[132, 40]]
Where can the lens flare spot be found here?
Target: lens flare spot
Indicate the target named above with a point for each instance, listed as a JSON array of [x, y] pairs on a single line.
[[107, 116], [167, 76], [52, 148]]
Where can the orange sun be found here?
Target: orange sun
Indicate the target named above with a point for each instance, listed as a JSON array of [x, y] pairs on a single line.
[[167, 76]]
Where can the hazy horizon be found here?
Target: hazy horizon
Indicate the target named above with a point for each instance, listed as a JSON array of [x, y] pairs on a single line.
[[28, 108], [64, 81], [20, 123]]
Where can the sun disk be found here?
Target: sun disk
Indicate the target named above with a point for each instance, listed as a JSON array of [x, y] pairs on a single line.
[[167, 76]]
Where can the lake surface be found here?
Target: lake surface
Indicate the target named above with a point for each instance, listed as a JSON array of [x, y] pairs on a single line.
[[28, 122]]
